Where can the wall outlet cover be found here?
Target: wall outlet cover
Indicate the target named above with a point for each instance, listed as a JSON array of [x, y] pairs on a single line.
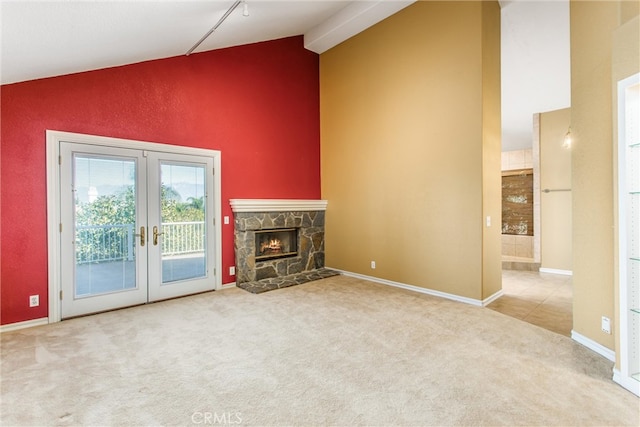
[[34, 300]]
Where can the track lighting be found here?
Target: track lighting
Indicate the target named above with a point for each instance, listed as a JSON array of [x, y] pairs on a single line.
[[215, 27]]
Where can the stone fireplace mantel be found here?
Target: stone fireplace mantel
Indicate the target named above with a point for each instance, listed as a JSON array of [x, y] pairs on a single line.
[[304, 217]]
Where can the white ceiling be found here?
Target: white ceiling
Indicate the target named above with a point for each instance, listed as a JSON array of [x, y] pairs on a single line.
[[51, 38], [56, 37]]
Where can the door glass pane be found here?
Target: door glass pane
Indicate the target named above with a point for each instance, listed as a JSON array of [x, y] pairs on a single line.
[[183, 221], [105, 221]]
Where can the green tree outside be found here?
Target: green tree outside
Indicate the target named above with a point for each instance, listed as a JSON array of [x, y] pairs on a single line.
[[96, 241]]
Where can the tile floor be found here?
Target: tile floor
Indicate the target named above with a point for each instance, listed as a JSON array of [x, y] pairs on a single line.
[[538, 298]]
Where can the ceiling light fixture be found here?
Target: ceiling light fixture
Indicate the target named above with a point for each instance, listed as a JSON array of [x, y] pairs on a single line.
[[566, 144], [215, 27], [245, 9]]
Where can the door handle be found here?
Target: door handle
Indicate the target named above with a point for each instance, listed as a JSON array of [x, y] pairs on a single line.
[[156, 234], [142, 235]]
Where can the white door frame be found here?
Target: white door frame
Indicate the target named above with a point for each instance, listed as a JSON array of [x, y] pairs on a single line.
[[54, 221]]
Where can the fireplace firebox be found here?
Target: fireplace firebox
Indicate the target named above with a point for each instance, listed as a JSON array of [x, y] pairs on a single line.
[[276, 243]]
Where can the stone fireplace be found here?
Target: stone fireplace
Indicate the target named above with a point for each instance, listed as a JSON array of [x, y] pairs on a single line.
[[278, 243]]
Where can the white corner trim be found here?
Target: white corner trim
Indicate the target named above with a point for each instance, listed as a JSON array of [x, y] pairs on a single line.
[[349, 21], [228, 285], [276, 205], [411, 288], [492, 298], [23, 325], [556, 271], [629, 383], [594, 346], [53, 225]]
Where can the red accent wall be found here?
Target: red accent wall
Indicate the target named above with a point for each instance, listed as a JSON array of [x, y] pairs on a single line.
[[258, 104]]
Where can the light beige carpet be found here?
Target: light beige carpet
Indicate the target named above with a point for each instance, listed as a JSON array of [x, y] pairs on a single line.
[[338, 351]]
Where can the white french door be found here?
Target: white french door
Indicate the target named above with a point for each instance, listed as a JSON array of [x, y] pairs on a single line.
[[178, 226], [136, 226]]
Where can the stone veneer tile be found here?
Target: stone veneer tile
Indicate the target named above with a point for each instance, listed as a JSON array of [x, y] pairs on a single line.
[[310, 257]]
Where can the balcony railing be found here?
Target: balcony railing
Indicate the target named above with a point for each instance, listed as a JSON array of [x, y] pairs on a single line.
[[116, 242], [181, 238]]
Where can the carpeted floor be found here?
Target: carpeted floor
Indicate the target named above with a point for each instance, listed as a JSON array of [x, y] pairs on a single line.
[[337, 351]]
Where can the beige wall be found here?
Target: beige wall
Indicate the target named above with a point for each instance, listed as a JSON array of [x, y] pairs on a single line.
[[491, 150], [592, 28], [410, 125], [555, 206]]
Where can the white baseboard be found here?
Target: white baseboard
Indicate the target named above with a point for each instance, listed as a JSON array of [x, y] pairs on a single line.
[[22, 325], [594, 346], [629, 383], [45, 320], [413, 288], [492, 298], [556, 271]]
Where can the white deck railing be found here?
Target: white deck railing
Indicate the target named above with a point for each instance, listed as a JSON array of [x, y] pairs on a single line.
[[99, 243], [115, 242], [181, 238]]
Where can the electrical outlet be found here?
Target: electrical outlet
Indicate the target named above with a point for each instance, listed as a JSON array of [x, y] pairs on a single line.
[[226, 219], [373, 265], [232, 271], [34, 300], [606, 325]]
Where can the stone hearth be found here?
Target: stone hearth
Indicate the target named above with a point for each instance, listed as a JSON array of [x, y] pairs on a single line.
[[305, 216], [265, 285]]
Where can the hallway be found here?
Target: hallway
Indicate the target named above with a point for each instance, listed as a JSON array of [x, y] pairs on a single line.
[[541, 299]]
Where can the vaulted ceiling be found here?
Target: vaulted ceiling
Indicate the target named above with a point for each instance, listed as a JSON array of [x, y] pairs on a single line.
[[50, 38]]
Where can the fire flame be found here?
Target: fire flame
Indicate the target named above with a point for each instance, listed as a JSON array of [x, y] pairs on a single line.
[[273, 245]]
